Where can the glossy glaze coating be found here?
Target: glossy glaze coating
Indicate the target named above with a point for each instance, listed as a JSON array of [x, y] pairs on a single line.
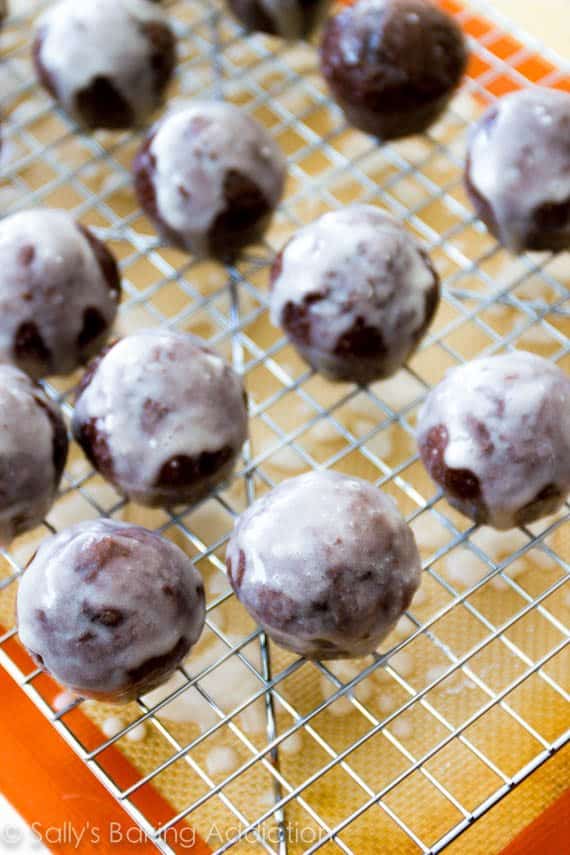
[[33, 451], [355, 292], [495, 435], [110, 609], [392, 65], [59, 292], [209, 177], [107, 62], [518, 170], [325, 563], [162, 416]]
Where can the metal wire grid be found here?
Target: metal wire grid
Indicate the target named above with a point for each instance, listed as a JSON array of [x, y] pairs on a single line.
[[323, 175]]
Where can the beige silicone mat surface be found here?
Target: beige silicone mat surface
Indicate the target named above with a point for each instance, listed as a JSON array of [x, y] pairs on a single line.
[[470, 693]]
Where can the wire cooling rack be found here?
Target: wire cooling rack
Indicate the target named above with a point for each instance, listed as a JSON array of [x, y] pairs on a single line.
[[265, 752]]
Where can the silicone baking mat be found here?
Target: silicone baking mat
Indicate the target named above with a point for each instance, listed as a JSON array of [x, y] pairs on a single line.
[[253, 749]]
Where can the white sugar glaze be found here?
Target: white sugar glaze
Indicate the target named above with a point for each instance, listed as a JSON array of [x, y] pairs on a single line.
[[49, 275], [292, 540], [194, 148], [520, 160], [103, 565], [366, 266], [83, 41], [522, 402], [363, 15], [371, 19], [158, 394], [28, 480]]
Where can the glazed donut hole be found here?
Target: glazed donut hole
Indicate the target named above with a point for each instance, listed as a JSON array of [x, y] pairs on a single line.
[[33, 453], [109, 609], [342, 579], [392, 65], [162, 417], [80, 59], [59, 292], [355, 293], [519, 189], [209, 177], [495, 436]]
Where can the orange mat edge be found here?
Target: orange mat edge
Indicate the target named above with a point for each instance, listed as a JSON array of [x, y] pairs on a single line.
[[548, 834], [56, 793]]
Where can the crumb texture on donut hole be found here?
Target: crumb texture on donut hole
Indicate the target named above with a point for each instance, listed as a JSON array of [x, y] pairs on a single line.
[[162, 417], [289, 19], [59, 292], [325, 563], [209, 177], [33, 451], [518, 170], [393, 65], [355, 292], [107, 62], [110, 609], [495, 435]]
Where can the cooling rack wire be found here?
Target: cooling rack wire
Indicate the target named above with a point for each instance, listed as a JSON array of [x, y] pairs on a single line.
[[253, 749]]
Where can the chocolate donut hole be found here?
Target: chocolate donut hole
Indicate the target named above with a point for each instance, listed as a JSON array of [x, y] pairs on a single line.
[[393, 65], [336, 586], [80, 60], [355, 293], [209, 178], [33, 455], [517, 171], [495, 436], [59, 292], [162, 417], [110, 609]]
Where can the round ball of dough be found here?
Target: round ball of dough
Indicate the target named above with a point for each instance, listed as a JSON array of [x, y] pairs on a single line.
[[288, 19], [110, 609], [162, 417], [209, 177], [393, 65], [325, 563], [355, 293], [33, 451], [59, 292], [107, 62], [495, 435], [518, 170]]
